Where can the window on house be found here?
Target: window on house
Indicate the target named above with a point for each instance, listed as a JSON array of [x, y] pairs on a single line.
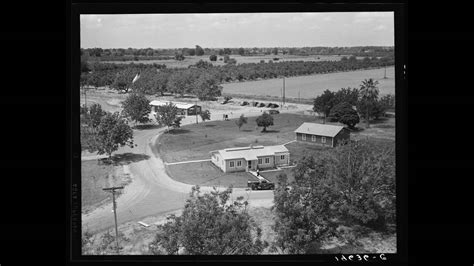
[[260, 161], [282, 157], [239, 163], [267, 160], [323, 139], [303, 136], [313, 138], [231, 164]]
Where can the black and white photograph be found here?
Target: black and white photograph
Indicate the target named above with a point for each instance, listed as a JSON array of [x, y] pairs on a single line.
[[260, 133]]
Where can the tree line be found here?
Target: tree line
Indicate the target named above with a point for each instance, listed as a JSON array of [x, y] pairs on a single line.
[[348, 104], [118, 54], [157, 79]]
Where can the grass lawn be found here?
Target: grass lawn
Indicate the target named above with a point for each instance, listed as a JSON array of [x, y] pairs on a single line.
[[93, 178], [194, 142], [272, 176], [206, 174]]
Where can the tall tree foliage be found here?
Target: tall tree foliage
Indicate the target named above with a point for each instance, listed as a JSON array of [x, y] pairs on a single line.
[[324, 103], [136, 107], [211, 224], [241, 121], [265, 120], [207, 87], [205, 115], [368, 94], [166, 115], [351, 184], [344, 113], [112, 133]]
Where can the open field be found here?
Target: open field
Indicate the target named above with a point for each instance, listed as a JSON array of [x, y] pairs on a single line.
[[93, 178], [313, 85], [191, 60], [206, 174]]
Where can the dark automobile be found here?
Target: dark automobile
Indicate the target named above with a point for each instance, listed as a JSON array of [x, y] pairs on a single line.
[[273, 112], [260, 185]]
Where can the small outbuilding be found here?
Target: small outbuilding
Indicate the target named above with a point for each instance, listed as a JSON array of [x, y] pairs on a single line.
[[250, 158], [183, 108], [321, 134]]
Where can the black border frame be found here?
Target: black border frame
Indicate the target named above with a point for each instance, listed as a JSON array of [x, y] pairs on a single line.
[[73, 150]]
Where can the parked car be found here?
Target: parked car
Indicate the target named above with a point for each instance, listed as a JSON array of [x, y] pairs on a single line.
[[244, 103], [260, 185], [273, 112]]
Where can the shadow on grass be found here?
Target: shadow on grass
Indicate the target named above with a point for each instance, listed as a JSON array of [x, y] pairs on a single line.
[[145, 127], [246, 130], [124, 158], [270, 131], [178, 131], [210, 125]]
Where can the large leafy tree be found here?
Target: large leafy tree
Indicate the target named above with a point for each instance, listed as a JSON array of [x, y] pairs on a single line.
[[211, 224], [347, 95], [207, 87], [364, 176], [265, 120], [112, 133], [324, 103], [345, 113], [136, 107], [351, 184], [166, 114], [368, 94], [304, 214]]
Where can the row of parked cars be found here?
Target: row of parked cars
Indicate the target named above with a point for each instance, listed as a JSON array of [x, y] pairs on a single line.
[[260, 104]]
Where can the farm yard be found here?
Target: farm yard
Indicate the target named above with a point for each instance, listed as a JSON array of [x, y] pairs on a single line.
[[312, 85], [194, 142]]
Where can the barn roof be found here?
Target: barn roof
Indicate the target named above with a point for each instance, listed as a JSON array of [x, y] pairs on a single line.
[[319, 129], [252, 152], [180, 105]]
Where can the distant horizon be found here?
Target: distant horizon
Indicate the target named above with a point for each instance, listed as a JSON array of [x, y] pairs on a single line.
[[248, 47], [248, 30]]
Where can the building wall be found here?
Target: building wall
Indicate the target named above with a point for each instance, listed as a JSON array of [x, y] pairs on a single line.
[[343, 135], [299, 137], [236, 168], [264, 165], [279, 161], [216, 159]]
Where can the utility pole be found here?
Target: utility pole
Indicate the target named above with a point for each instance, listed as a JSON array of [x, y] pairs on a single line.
[[112, 189], [195, 110], [283, 90]]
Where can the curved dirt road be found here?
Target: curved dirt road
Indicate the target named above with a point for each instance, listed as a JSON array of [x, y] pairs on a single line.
[[152, 191]]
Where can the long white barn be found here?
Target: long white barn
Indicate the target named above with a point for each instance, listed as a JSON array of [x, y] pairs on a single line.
[[250, 158]]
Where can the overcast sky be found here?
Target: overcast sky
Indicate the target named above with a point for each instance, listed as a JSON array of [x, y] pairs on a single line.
[[237, 30]]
